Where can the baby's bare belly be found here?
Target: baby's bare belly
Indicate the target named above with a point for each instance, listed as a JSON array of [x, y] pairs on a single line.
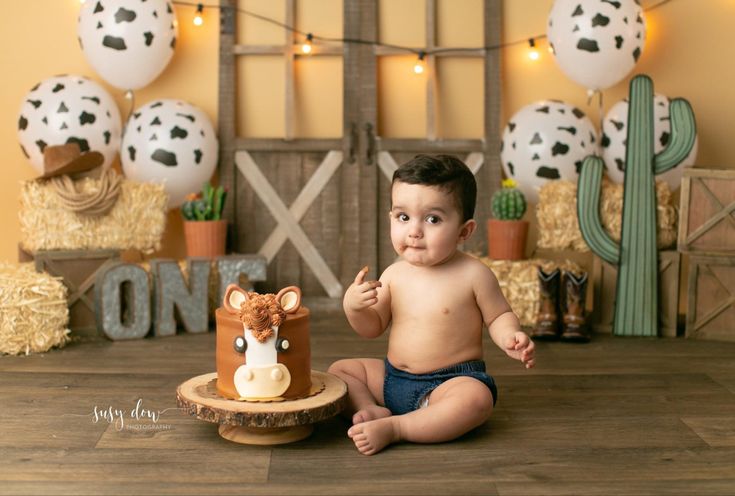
[[424, 350]]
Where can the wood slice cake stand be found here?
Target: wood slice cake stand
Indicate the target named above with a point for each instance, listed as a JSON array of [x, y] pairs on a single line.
[[263, 423]]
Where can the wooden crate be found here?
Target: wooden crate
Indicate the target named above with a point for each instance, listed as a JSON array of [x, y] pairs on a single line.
[[78, 269], [707, 212], [711, 289], [604, 280]]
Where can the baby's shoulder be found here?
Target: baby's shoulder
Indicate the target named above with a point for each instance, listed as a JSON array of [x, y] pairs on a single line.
[[477, 273], [473, 265]]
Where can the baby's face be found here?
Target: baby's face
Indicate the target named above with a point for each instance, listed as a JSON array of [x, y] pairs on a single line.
[[425, 225]]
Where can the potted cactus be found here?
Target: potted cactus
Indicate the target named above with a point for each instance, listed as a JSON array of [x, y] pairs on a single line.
[[506, 233], [204, 230]]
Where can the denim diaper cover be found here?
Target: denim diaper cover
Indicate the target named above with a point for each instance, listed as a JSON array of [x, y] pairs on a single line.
[[404, 392]]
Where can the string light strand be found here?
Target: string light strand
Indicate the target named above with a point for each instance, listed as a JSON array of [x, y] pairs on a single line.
[[417, 51]]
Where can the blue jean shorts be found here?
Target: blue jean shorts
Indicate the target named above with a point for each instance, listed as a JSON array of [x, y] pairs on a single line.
[[404, 392]]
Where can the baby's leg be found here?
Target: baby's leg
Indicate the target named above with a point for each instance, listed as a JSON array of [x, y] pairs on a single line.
[[364, 378], [455, 407]]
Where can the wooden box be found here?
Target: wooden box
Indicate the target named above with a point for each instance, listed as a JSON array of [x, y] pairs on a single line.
[[78, 269], [711, 306], [604, 280], [707, 212]]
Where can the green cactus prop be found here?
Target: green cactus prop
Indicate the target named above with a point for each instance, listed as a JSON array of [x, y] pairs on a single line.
[[636, 303], [206, 205], [508, 203]]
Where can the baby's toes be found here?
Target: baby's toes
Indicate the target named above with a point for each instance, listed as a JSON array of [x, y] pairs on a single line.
[[355, 430], [361, 443]]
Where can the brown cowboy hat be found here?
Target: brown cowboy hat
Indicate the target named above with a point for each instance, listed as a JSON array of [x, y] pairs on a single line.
[[68, 159]]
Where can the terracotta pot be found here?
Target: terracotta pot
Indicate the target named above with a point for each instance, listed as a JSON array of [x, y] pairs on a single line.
[[506, 239], [205, 238]]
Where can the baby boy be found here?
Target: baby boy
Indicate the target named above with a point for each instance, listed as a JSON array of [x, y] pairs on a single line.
[[432, 387]]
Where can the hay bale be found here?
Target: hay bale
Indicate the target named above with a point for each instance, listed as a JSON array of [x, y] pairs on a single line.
[[33, 311], [519, 282], [557, 215], [137, 221]]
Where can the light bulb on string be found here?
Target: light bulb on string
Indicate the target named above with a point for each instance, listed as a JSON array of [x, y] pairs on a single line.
[[418, 68], [198, 20], [306, 47], [532, 51]]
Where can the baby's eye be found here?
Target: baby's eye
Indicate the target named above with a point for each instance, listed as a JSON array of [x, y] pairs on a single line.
[[402, 217], [433, 219]]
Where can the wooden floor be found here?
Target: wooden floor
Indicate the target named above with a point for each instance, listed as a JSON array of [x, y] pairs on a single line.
[[616, 416]]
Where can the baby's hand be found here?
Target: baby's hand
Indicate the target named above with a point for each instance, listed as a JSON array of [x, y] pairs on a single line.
[[520, 347], [361, 294]]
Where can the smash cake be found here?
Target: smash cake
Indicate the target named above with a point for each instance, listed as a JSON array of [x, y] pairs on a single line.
[[263, 348]]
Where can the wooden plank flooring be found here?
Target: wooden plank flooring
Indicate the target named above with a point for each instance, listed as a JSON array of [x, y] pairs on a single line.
[[616, 416]]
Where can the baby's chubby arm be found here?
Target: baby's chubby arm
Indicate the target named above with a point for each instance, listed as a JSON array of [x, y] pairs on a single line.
[[502, 323], [367, 305]]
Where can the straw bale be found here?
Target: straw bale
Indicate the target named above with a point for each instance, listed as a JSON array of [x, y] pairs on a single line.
[[137, 221], [557, 215], [519, 283], [34, 316]]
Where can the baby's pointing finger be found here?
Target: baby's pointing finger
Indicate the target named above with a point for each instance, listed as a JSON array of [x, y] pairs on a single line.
[[360, 277]]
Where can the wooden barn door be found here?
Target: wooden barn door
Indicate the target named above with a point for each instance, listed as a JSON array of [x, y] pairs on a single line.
[[384, 152], [316, 208]]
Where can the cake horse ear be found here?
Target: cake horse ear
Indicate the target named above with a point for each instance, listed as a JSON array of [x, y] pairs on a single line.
[[234, 298], [290, 299]]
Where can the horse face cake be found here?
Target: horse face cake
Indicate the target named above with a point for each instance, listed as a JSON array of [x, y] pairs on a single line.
[[263, 348]]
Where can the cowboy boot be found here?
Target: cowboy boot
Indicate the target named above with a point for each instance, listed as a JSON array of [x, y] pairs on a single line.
[[547, 319], [575, 324]]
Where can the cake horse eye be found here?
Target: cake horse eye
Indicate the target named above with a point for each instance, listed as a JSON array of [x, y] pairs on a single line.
[[240, 344], [282, 344]]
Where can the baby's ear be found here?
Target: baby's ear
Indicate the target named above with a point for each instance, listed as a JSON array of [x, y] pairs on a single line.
[[467, 229]]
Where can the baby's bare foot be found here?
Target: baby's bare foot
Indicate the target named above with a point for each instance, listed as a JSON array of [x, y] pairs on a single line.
[[371, 437], [372, 412]]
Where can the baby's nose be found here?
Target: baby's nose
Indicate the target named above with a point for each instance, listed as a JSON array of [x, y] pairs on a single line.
[[415, 234]]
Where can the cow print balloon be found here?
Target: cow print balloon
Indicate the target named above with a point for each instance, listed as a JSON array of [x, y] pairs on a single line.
[[614, 135], [172, 142], [596, 42], [127, 43], [68, 109], [543, 141]]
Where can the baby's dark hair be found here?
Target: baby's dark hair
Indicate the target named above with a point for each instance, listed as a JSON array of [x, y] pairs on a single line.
[[446, 172]]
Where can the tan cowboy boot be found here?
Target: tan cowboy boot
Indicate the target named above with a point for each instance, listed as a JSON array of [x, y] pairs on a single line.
[[576, 329], [547, 319]]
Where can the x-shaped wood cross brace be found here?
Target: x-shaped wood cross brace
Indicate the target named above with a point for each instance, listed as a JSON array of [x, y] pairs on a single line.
[[724, 305], [726, 212], [288, 218], [386, 163]]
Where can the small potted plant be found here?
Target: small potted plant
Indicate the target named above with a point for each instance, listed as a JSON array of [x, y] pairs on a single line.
[[506, 233], [204, 229]]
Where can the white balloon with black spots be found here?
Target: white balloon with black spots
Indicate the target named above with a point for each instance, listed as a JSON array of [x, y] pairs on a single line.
[[127, 43], [614, 136], [68, 109], [170, 142], [596, 42], [544, 141]]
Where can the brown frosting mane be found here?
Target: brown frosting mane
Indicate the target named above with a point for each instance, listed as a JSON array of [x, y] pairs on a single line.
[[259, 313]]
